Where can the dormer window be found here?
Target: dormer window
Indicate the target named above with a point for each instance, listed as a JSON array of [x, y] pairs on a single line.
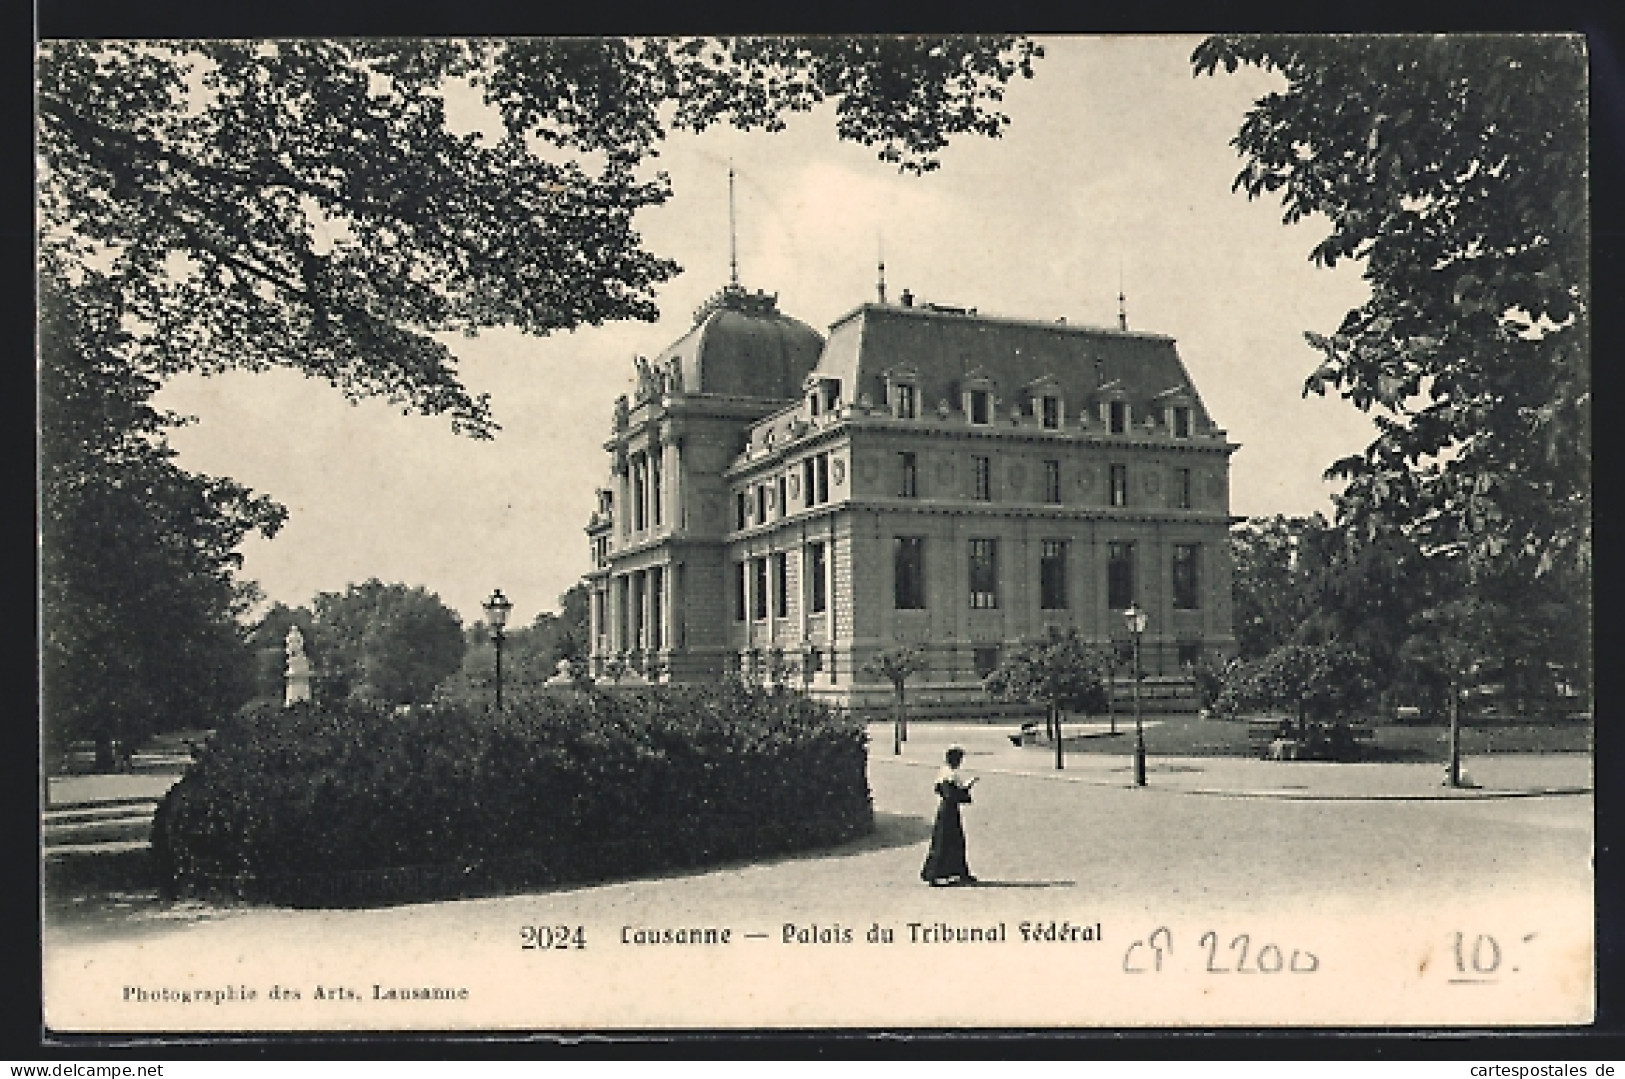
[[1176, 411], [904, 401], [1117, 417], [902, 392], [976, 397], [829, 393], [1046, 403], [979, 406]]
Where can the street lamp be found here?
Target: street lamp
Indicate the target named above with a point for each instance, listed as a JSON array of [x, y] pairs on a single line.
[[1136, 624], [496, 614]]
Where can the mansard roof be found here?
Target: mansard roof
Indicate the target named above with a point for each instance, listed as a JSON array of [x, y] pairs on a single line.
[[949, 347], [743, 346]]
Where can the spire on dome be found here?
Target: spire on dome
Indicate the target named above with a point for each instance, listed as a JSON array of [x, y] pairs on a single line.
[[733, 245]]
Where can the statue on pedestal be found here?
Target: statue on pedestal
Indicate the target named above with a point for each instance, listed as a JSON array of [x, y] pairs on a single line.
[[297, 683]]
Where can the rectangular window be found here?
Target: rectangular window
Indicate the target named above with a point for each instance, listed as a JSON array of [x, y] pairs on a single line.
[[821, 472], [1051, 411], [908, 486], [761, 503], [906, 407], [655, 494], [739, 591], [758, 605], [1190, 653], [1119, 485], [1052, 576], [781, 585], [657, 615], [986, 659], [807, 489], [639, 494], [1120, 576], [741, 516], [984, 574], [980, 406], [816, 571], [832, 393], [1118, 412], [1182, 488], [982, 469], [783, 504], [1182, 422], [908, 573], [1052, 482], [1187, 576]]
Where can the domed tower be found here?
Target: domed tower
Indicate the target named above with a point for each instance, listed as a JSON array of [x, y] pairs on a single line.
[[657, 536]]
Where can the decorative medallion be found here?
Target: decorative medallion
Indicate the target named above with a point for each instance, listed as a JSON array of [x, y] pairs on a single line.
[[795, 485], [837, 470], [1086, 477]]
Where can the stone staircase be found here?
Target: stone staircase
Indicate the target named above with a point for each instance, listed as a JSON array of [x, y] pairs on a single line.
[[96, 829]]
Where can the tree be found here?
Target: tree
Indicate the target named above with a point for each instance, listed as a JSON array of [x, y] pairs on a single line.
[[897, 666], [311, 204], [139, 602], [1061, 671], [1444, 650], [387, 642], [1269, 556], [530, 654], [1454, 169], [1316, 682]]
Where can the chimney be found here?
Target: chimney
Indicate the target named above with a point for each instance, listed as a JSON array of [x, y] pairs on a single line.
[[907, 298]]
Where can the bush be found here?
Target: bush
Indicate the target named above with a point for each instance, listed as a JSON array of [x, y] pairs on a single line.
[[1318, 682], [350, 803]]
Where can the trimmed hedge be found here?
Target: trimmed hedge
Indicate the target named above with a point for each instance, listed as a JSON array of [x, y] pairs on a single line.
[[349, 804]]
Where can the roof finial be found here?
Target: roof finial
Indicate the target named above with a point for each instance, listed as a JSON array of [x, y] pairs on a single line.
[[1122, 311], [880, 265], [733, 244]]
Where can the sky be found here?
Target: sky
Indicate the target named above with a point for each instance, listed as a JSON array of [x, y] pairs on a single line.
[[1116, 166]]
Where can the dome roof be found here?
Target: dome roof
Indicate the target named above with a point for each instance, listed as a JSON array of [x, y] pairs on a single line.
[[743, 346]]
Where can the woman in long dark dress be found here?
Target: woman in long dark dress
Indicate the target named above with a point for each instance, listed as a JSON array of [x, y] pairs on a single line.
[[945, 864]]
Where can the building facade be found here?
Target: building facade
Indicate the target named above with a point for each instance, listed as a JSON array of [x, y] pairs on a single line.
[[785, 505]]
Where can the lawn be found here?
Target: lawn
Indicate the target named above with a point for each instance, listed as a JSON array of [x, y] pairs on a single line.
[[1189, 736]]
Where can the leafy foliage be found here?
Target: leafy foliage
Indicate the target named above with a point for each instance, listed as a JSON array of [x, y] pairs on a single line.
[[319, 204], [1302, 581], [1061, 671], [1316, 682], [530, 654], [1454, 168], [353, 803], [386, 642], [138, 595], [898, 665]]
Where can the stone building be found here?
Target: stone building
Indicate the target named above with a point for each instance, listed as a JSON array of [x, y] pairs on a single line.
[[785, 505]]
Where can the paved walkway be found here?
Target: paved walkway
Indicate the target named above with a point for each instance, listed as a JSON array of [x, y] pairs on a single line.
[[988, 749]]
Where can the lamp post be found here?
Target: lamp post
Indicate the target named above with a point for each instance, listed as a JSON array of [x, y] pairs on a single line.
[[496, 614], [1136, 624]]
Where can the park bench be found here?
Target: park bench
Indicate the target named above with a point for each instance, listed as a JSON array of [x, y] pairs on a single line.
[[1274, 737]]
